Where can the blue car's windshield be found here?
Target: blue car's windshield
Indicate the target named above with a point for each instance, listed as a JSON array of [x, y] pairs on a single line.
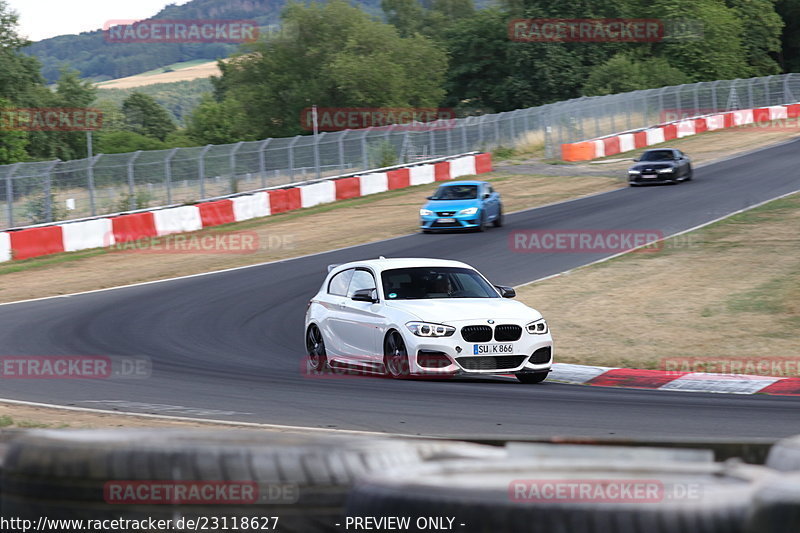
[[420, 283], [456, 192]]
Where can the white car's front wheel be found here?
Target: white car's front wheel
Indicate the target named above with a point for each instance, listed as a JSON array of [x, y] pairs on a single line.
[[315, 346], [395, 356]]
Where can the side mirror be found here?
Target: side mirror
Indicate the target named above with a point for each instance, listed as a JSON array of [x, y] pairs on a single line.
[[365, 295], [506, 292], [429, 197], [486, 195], [635, 159]]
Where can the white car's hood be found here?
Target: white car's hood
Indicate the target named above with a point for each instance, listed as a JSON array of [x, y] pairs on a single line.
[[445, 310]]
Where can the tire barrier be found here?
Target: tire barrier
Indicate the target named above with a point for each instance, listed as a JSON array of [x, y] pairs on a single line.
[[557, 495], [785, 455], [137, 473]]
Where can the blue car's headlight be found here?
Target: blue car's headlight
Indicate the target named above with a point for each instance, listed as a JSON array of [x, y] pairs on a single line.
[[425, 212], [468, 211]]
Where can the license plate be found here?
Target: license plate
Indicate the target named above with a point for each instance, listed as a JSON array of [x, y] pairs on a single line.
[[445, 220], [492, 349]]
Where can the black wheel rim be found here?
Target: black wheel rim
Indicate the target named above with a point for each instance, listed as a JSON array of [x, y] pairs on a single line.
[[396, 355], [315, 347]]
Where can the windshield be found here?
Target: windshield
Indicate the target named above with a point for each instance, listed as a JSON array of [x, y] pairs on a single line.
[[420, 283], [456, 192], [657, 155]]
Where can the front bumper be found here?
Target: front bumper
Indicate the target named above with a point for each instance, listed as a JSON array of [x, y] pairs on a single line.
[[452, 356], [641, 179], [454, 222]]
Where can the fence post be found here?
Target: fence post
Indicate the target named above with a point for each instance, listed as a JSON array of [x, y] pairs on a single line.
[[131, 183], [291, 158], [463, 125], [364, 152], [714, 95], [168, 173], [233, 165], [317, 139], [342, 135], [48, 194], [90, 181], [201, 170], [10, 194], [262, 162]]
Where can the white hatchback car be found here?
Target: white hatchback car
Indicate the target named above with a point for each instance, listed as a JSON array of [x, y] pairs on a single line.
[[431, 317]]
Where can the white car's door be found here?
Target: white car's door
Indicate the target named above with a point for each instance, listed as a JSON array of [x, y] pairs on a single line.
[[334, 302], [361, 322]]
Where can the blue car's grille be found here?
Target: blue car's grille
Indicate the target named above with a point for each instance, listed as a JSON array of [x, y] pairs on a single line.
[[445, 213]]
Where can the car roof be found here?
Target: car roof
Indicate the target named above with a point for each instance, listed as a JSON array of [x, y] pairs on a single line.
[[661, 149], [463, 182], [381, 264]]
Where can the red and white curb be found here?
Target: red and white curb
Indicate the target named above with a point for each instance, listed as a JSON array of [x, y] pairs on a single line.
[[71, 236], [602, 376]]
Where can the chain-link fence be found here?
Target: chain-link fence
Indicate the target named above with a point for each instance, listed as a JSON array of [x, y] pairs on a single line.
[[34, 193]]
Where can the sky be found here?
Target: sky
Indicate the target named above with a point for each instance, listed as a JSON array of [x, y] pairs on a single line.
[[40, 19]]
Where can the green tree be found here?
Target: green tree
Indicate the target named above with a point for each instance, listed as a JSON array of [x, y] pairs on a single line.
[[120, 142], [331, 55], [12, 143], [143, 115], [624, 73], [761, 35], [215, 122], [789, 54]]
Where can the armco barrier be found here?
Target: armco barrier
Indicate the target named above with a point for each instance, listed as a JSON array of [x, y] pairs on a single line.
[[251, 206], [34, 242], [133, 227], [216, 213], [116, 229], [398, 179], [5, 247], [87, 234], [177, 220], [630, 140]]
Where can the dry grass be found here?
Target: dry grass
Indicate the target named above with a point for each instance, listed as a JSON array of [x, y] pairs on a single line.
[[279, 236], [729, 290], [204, 70]]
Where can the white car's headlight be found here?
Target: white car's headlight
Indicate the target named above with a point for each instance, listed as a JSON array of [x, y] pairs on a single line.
[[537, 327], [468, 211], [665, 170], [427, 329], [634, 172], [425, 212]]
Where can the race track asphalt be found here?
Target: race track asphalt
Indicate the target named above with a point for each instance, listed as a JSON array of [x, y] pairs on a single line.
[[229, 345]]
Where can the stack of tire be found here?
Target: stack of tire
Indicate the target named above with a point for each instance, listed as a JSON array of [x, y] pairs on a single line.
[[301, 478], [415, 485]]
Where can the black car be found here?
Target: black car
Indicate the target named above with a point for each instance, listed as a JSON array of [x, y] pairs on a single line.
[[661, 165]]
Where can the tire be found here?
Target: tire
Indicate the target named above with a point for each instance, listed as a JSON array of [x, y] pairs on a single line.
[[482, 496], [315, 347], [498, 222], [690, 174], [63, 474], [531, 378], [784, 455], [776, 506], [395, 356], [426, 231], [482, 225]]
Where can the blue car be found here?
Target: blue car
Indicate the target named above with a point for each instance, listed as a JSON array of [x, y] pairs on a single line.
[[462, 205]]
